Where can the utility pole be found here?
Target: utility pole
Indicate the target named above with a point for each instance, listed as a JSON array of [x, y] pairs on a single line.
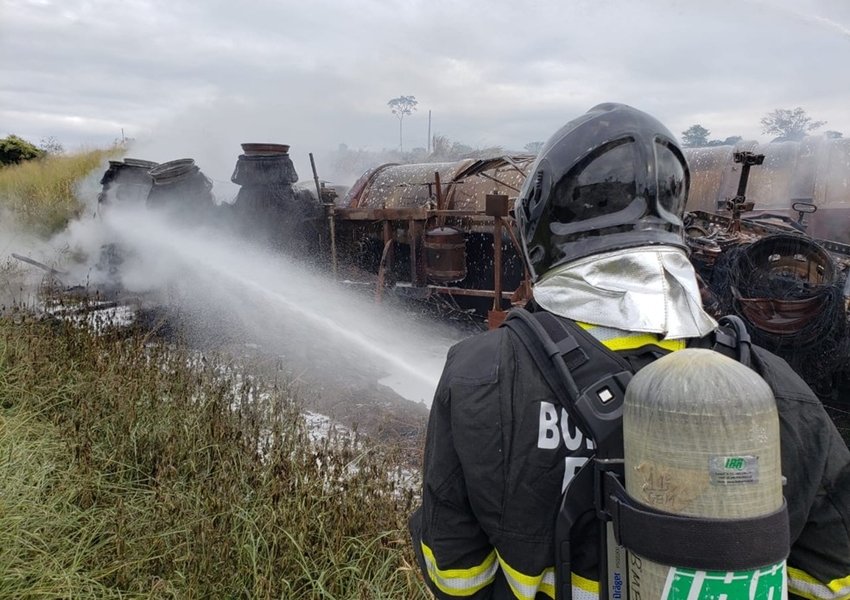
[[429, 131]]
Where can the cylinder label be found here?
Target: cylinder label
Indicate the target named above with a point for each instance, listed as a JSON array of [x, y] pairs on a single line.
[[730, 470], [768, 583]]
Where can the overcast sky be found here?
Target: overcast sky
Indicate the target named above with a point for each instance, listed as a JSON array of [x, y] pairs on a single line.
[[197, 77]]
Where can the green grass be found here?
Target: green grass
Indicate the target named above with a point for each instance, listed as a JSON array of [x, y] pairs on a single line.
[[135, 470], [40, 194]]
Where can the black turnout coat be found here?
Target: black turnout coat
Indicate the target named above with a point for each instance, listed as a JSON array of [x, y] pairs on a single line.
[[493, 478]]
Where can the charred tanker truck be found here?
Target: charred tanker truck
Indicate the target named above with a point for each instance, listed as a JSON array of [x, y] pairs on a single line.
[[767, 229], [437, 230]]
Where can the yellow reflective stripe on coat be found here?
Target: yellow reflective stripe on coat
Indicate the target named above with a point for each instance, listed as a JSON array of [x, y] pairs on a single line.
[[461, 582], [584, 589], [617, 339], [803, 584], [526, 587]]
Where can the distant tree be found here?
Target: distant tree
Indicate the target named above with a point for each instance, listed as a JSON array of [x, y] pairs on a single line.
[[460, 150], [533, 147], [14, 150], [789, 124], [440, 146], [833, 135], [51, 145], [730, 141], [695, 136], [443, 148], [402, 107]]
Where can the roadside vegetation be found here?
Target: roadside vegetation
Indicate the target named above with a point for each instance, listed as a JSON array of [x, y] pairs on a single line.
[[39, 194], [134, 469]]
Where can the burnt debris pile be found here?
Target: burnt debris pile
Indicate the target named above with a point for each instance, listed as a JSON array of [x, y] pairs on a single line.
[[176, 187], [766, 267], [269, 209], [790, 291], [265, 210]]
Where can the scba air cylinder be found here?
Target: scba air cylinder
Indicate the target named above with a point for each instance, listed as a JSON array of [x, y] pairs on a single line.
[[701, 437]]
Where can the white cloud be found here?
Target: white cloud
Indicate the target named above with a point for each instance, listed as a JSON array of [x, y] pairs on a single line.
[[193, 77]]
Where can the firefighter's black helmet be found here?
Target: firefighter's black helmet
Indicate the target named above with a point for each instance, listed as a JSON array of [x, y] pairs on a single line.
[[613, 178]]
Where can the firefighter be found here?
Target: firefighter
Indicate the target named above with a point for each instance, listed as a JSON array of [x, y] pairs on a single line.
[[600, 221]]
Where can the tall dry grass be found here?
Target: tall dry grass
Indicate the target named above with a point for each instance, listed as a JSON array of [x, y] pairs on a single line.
[[40, 195], [138, 470]]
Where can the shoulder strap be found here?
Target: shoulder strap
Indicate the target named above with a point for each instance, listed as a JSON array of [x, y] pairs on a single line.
[[588, 379], [590, 382], [731, 339], [733, 326]]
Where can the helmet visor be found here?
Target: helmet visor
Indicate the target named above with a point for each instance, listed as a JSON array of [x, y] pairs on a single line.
[[602, 184], [672, 183]]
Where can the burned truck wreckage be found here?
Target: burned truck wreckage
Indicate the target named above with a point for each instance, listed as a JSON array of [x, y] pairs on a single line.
[[767, 231], [790, 288]]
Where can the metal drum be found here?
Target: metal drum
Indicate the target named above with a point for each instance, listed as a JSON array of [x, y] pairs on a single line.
[[785, 286], [173, 171], [127, 182], [445, 255], [180, 185], [264, 165], [258, 149]]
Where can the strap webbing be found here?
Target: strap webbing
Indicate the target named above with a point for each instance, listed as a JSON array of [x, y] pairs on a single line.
[[696, 542]]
